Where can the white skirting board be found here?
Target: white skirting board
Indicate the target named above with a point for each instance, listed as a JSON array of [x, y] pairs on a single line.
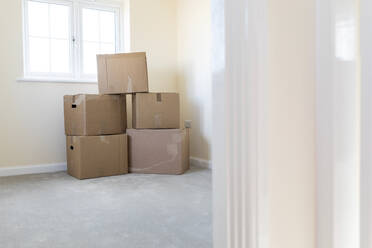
[[57, 167], [32, 169], [198, 162]]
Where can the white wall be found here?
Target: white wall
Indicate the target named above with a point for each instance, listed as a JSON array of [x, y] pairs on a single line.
[[194, 72], [31, 126]]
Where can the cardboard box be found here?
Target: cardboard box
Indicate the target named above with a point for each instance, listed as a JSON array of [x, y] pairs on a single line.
[[156, 110], [97, 156], [95, 114], [161, 151], [122, 73]]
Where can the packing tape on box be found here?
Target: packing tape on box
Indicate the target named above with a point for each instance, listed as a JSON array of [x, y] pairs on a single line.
[[78, 99], [157, 120], [177, 138], [169, 161], [172, 149], [130, 85], [104, 140], [158, 97]]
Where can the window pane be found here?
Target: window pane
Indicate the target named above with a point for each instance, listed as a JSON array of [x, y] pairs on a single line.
[[39, 55], [49, 30], [99, 36], [59, 21], [38, 19], [90, 50], [60, 56], [90, 25], [107, 26], [107, 48]]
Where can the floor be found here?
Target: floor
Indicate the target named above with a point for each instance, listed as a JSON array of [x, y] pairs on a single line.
[[134, 211]]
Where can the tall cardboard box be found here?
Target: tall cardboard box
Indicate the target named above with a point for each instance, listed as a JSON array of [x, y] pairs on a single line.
[[156, 110], [95, 114], [122, 73], [159, 151], [97, 156]]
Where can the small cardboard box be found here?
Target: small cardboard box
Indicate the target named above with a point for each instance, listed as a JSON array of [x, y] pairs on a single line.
[[122, 73], [156, 110], [161, 151], [97, 156], [95, 114]]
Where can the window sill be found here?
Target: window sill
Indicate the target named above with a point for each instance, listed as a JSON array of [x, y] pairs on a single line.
[[55, 80]]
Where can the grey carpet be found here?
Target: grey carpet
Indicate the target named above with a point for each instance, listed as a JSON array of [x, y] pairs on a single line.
[[134, 211]]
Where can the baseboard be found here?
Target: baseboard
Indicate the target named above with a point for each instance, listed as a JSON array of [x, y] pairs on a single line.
[[198, 162], [32, 169]]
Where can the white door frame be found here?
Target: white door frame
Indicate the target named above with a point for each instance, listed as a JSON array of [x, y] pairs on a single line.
[[239, 30], [337, 124], [366, 137], [240, 49], [239, 63]]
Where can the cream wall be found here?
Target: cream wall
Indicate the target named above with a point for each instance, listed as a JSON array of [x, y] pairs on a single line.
[[154, 30], [31, 126], [194, 72], [290, 150]]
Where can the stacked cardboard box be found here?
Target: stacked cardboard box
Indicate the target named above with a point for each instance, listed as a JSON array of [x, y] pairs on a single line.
[[156, 144], [95, 125], [96, 143]]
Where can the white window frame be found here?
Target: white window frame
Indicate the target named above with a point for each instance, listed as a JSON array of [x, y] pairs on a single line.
[[76, 48]]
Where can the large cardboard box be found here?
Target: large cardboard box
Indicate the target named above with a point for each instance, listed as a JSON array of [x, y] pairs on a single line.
[[156, 110], [161, 151], [95, 114], [97, 156], [122, 73]]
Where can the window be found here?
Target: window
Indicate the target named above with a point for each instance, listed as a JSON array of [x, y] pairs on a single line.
[[62, 38]]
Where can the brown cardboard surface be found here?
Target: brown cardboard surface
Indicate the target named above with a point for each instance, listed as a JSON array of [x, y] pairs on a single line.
[[97, 156], [122, 73], [158, 151], [156, 110], [95, 114]]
